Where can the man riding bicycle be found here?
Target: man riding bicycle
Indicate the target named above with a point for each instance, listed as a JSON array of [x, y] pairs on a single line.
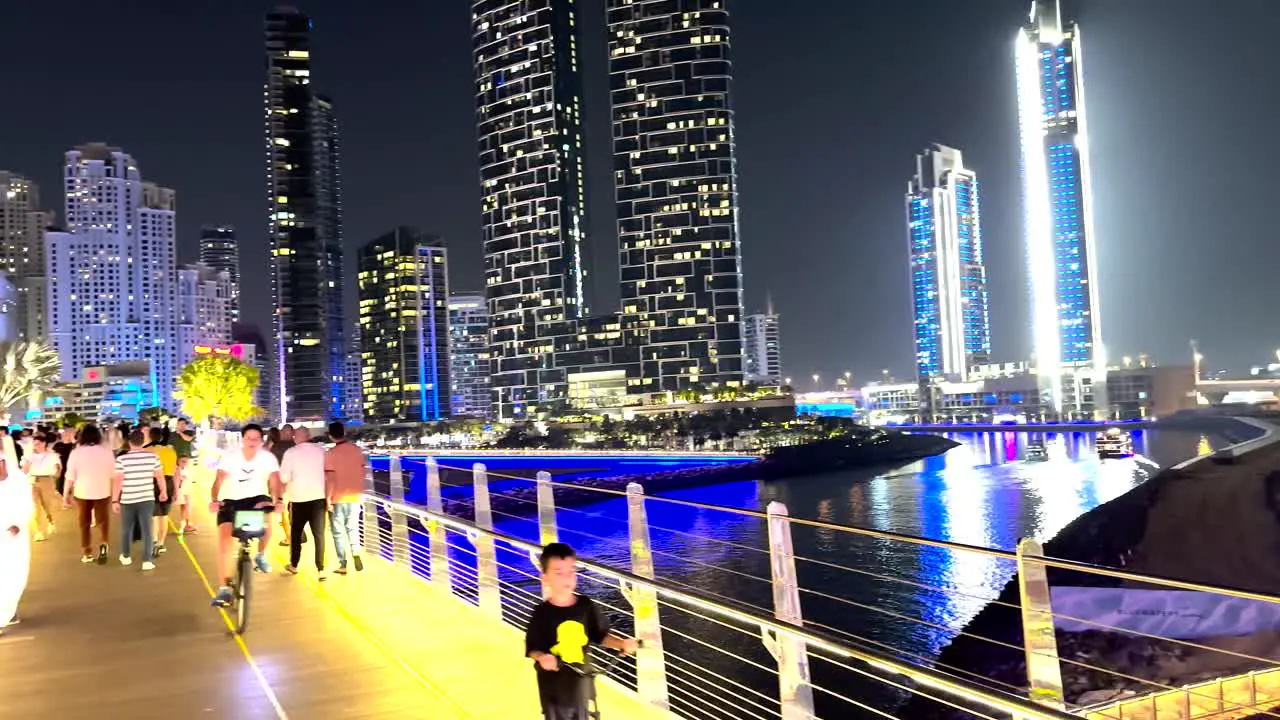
[[247, 479]]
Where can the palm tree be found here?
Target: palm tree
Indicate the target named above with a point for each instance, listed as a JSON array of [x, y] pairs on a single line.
[[25, 368]]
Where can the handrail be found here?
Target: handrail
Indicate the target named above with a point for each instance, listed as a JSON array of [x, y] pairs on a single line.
[[1090, 568], [925, 676]]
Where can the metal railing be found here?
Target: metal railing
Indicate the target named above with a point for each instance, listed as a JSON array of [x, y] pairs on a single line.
[[679, 668], [702, 657]]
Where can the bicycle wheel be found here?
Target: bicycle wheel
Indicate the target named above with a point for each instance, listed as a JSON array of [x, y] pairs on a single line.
[[243, 591]]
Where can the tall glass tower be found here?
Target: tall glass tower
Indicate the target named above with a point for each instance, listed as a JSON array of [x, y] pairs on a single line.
[[528, 88], [676, 181], [948, 273], [1059, 229]]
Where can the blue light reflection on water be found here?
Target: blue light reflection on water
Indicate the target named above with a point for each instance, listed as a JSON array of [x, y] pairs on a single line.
[[981, 493]]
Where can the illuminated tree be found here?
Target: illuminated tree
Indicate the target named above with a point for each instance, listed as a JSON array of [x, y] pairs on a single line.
[[73, 420], [25, 368], [217, 386]]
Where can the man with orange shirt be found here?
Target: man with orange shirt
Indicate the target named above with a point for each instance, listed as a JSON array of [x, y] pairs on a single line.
[[344, 469]]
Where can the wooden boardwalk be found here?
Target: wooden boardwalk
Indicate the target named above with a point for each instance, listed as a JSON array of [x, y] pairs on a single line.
[[113, 641]]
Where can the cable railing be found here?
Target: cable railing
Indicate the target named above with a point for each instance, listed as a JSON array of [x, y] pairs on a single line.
[[719, 643]]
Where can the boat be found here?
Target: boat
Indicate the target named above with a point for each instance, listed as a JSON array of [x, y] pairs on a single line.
[[1114, 443], [1037, 451]]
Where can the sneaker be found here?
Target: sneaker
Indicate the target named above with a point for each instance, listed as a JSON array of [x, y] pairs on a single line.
[[291, 569], [341, 570], [86, 558], [322, 575], [161, 549], [284, 543], [359, 563], [102, 554], [52, 528], [190, 530], [223, 598], [148, 565], [126, 560], [261, 564]]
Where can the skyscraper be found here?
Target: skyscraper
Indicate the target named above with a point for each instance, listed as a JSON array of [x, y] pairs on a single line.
[[112, 289], [303, 219], [1059, 228], [677, 190], [762, 348], [404, 327], [528, 87], [948, 275], [469, 354], [204, 310], [22, 227], [220, 252]]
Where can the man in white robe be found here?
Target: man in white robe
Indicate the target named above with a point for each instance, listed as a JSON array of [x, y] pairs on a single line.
[[16, 508]]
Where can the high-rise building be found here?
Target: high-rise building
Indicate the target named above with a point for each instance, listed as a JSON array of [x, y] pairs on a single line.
[[1059, 224], [404, 327], [22, 257], [948, 275], [220, 252], [528, 86], [10, 320], [677, 190], [352, 395], [469, 354], [112, 280], [303, 218], [204, 309], [762, 348]]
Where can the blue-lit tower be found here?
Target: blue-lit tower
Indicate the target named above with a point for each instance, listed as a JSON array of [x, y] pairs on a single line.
[[948, 275], [1059, 231]]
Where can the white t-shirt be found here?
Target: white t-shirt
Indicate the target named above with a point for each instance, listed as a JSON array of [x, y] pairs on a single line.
[[246, 478], [302, 472]]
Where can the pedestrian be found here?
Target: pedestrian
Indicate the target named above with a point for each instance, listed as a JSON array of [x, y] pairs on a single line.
[[303, 477], [281, 443], [139, 482], [43, 466], [183, 442], [9, 450], [344, 469], [66, 443], [26, 441], [169, 465], [15, 545], [90, 470]]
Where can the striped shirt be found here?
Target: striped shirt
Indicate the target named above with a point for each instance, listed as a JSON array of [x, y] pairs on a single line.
[[139, 469]]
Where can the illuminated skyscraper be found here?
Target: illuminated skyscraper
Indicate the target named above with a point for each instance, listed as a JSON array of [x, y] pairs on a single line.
[[220, 252], [677, 190], [404, 327], [1059, 229], [22, 226], [469, 354], [948, 276], [112, 290], [304, 224], [528, 87]]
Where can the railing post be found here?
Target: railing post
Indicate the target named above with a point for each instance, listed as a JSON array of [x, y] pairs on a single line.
[[437, 531], [486, 555], [371, 534], [651, 669], [399, 522], [1044, 674], [546, 509], [795, 690]]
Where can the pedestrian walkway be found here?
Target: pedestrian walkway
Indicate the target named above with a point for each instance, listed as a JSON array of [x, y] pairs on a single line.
[[376, 644]]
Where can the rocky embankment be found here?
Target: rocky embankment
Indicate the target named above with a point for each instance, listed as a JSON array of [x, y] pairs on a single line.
[[871, 450], [1210, 523]]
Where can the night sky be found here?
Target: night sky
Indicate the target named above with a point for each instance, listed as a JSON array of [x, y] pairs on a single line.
[[833, 100]]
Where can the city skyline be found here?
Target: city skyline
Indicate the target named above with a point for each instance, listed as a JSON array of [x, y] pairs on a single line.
[[861, 340]]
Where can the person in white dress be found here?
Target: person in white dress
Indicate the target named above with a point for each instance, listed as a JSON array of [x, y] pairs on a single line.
[[16, 506]]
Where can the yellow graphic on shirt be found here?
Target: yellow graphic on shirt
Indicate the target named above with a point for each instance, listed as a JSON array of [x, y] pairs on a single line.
[[571, 642]]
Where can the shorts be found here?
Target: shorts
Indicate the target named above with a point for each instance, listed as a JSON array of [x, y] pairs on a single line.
[[227, 513], [162, 508]]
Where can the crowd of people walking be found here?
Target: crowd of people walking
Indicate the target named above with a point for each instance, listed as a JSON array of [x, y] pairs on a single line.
[[146, 477]]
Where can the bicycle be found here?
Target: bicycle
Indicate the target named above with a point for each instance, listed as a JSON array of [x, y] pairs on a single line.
[[247, 526]]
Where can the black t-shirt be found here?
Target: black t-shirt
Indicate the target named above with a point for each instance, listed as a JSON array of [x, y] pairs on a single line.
[[64, 451], [280, 448], [564, 632]]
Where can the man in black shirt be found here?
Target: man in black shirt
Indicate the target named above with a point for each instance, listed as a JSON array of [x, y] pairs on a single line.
[[559, 631], [66, 443]]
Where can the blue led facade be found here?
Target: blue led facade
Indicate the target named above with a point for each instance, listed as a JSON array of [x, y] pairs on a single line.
[[948, 275], [1055, 47]]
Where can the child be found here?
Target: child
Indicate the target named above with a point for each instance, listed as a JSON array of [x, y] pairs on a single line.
[[561, 628]]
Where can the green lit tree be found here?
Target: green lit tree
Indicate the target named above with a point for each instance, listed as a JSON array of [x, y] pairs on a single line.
[[217, 387], [25, 368], [72, 420]]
